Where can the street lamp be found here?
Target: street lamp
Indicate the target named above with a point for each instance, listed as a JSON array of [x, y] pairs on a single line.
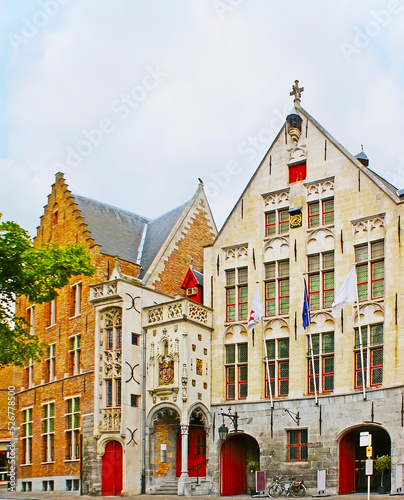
[[223, 429], [223, 432]]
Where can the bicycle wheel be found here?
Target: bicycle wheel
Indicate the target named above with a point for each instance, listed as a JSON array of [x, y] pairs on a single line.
[[275, 490], [300, 492]]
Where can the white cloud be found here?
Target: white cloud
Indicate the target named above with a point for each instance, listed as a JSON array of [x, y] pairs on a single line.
[[227, 77]]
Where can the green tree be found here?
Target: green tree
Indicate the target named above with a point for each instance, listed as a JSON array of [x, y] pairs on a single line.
[[34, 272]]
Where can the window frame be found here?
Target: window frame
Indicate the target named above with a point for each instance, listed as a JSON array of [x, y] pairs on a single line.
[[29, 375], [75, 354], [51, 310], [369, 348], [321, 295], [300, 445], [369, 265], [48, 434], [320, 357], [76, 299], [50, 363], [280, 226], [321, 214], [275, 365], [277, 279], [236, 294], [27, 434], [72, 432], [31, 319], [239, 368]]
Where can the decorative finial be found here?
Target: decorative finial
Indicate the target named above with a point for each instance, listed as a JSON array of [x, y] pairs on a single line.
[[296, 91]]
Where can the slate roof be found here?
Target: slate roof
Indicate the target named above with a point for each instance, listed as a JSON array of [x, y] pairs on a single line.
[[198, 276], [157, 232], [125, 234]]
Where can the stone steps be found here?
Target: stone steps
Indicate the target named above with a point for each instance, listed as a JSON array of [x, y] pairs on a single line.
[[166, 488]]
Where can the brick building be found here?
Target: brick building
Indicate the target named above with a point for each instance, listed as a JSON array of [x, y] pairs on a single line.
[[56, 397], [311, 210], [144, 378]]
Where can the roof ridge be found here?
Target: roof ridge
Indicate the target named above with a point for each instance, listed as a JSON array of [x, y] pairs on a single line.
[[86, 198], [182, 206]]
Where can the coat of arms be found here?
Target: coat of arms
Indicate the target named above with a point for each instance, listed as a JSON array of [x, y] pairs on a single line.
[[166, 369]]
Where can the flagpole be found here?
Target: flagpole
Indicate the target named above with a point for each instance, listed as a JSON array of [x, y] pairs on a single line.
[[360, 344], [306, 325], [312, 365], [349, 294], [257, 313], [267, 365]]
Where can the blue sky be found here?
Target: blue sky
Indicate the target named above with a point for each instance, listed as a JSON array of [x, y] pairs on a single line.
[[135, 100]]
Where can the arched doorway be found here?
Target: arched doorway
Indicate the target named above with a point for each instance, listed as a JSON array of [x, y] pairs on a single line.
[[235, 452], [351, 472], [165, 425], [112, 469], [196, 446]]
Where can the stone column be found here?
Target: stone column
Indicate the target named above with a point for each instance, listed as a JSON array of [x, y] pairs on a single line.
[[184, 483]]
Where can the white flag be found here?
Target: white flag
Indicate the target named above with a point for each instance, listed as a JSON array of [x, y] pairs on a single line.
[[346, 295], [257, 311]]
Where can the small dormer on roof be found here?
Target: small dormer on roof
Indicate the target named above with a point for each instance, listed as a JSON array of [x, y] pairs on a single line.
[[362, 157], [193, 285]]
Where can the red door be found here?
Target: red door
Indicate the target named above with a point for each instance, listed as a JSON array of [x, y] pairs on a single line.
[[112, 469], [196, 452], [346, 482], [233, 466]]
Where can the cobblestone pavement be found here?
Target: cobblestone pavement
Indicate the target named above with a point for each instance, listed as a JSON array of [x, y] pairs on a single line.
[[4, 495]]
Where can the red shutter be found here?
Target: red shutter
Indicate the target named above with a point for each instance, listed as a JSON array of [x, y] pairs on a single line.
[[297, 172]]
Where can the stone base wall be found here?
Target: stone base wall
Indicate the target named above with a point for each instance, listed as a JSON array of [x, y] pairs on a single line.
[[326, 423], [92, 465]]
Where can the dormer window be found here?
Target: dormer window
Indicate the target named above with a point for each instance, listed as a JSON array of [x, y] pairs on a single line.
[[191, 291]]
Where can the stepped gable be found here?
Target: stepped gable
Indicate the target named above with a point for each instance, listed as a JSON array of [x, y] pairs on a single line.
[[117, 231], [156, 234]]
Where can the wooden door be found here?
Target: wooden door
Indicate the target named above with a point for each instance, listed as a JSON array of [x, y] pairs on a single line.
[[346, 473], [233, 466], [197, 452], [112, 469]]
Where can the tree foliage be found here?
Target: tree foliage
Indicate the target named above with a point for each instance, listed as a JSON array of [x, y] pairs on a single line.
[[34, 272]]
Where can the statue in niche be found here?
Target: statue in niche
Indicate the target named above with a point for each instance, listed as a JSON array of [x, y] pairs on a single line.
[[166, 369]]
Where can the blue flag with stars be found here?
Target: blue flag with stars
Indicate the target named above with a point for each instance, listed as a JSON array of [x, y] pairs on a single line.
[[306, 307]]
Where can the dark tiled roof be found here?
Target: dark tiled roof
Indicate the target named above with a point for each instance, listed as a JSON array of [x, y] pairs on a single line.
[[125, 234], [361, 156], [156, 233], [198, 276], [118, 231]]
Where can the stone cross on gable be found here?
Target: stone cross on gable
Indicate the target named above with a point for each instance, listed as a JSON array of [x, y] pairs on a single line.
[[296, 91]]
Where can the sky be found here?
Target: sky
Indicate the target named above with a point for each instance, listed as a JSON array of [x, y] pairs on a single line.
[[135, 100]]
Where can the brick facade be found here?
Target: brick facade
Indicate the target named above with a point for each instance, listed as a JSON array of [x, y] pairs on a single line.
[[63, 223], [194, 235]]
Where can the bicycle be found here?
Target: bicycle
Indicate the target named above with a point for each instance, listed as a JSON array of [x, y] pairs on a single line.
[[291, 487]]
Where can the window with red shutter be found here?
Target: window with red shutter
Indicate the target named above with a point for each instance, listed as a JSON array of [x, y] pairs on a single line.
[[297, 172]]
